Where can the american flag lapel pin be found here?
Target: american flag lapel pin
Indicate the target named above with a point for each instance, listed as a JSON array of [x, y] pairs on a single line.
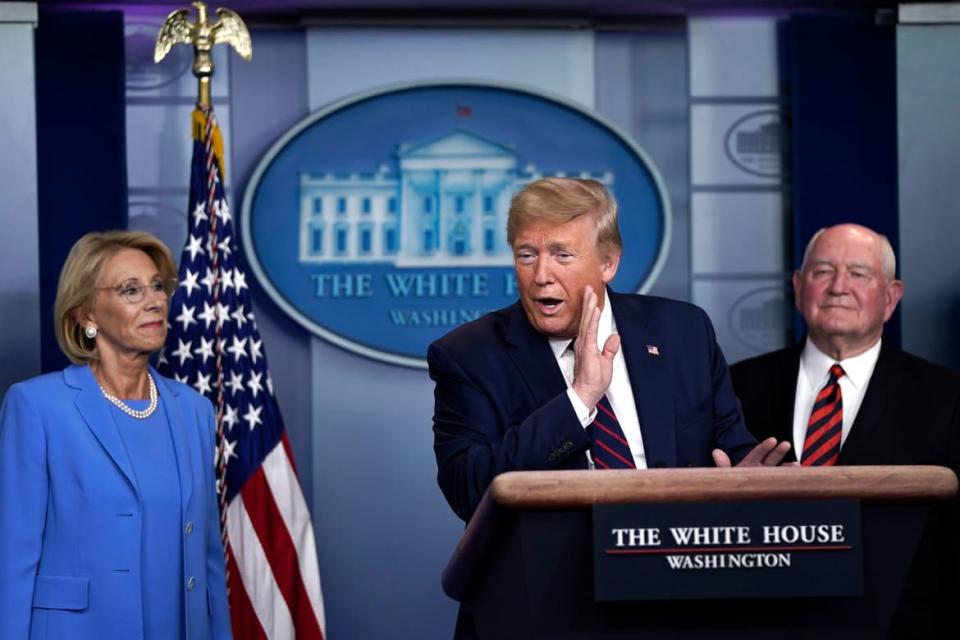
[[653, 350]]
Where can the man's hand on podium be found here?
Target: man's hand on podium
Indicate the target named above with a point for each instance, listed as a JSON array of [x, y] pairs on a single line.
[[768, 453]]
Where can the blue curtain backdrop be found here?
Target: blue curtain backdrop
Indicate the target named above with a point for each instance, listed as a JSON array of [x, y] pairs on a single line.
[[81, 146]]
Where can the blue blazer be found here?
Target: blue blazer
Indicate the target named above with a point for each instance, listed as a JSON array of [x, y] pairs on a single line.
[[500, 401], [70, 517]]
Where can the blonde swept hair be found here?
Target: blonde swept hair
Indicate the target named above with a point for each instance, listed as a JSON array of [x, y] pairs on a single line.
[[560, 200], [78, 282]]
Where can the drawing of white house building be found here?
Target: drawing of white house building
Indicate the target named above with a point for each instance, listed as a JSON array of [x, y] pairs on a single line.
[[445, 205]]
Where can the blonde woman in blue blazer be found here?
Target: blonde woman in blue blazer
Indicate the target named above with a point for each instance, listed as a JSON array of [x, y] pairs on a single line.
[[108, 511]]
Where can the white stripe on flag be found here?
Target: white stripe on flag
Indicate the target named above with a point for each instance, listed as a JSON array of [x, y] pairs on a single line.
[[256, 575], [288, 497]]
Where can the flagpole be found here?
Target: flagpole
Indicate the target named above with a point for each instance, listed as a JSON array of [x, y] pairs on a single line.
[[272, 573], [230, 29]]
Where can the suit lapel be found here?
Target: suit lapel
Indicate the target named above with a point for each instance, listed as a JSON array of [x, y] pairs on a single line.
[[96, 414], [179, 433], [650, 381], [533, 357], [883, 384]]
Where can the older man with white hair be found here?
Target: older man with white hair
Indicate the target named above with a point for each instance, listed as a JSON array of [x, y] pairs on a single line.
[[847, 396]]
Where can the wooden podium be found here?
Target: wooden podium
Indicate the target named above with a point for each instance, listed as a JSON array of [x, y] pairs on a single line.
[[524, 566]]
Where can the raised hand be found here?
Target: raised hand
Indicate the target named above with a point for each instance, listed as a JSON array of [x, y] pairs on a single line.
[[592, 369]]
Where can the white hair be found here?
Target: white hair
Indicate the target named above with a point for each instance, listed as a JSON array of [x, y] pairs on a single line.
[[888, 260]]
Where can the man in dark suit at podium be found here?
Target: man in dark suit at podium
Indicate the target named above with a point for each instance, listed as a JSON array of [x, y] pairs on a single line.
[[845, 396], [574, 375]]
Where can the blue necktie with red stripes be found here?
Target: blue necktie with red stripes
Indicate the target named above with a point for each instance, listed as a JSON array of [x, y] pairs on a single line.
[[610, 449], [821, 447]]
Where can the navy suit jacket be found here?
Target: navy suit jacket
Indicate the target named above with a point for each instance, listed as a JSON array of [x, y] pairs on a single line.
[[71, 514], [501, 403], [910, 414]]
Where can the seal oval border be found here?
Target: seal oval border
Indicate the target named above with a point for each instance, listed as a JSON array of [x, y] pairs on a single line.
[[785, 289], [775, 113], [278, 146], [183, 60]]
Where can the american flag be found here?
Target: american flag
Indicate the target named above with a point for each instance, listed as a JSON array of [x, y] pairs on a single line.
[[214, 345]]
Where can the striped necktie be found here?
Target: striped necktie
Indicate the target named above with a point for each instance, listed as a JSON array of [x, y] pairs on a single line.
[[821, 447], [610, 449]]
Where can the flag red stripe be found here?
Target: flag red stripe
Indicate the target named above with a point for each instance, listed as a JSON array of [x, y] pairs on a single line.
[[286, 447], [281, 554], [246, 625]]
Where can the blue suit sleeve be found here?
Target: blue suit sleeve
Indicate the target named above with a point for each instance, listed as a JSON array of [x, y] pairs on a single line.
[[216, 571], [476, 438], [731, 433], [23, 507]]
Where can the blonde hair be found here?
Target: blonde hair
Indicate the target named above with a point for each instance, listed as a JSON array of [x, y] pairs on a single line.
[[78, 282], [560, 200]]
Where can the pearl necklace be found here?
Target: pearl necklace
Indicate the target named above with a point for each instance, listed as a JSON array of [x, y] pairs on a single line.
[[135, 413]]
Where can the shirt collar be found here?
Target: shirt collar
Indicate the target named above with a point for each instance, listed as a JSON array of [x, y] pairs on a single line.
[[815, 364], [605, 329]]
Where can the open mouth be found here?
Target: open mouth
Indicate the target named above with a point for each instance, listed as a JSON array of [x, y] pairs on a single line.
[[549, 306]]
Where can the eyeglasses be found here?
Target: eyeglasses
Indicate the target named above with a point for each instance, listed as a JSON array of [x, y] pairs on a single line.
[[133, 291]]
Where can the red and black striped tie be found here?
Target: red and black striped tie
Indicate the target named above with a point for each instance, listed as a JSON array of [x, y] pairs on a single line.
[[822, 444], [610, 449]]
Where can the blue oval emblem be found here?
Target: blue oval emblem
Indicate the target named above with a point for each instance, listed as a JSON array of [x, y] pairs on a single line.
[[379, 223]]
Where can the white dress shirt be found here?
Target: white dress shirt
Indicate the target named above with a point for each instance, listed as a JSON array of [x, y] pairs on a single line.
[[619, 393], [813, 375]]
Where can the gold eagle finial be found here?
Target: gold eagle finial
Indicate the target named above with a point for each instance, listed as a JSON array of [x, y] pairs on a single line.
[[177, 29]]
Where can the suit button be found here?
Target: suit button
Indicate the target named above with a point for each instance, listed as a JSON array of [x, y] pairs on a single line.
[[191, 583], [188, 528], [567, 445]]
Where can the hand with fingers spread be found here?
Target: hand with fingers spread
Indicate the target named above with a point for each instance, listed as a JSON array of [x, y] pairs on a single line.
[[768, 453], [592, 369]]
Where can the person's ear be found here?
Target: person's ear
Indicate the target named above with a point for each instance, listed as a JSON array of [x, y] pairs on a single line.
[[797, 285], [894, 292], [611, 262]]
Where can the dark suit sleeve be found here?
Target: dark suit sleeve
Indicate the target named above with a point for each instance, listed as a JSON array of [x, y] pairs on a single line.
[[754, 396], [766, 386], [951, 510], [731, 434], [477, 438]]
